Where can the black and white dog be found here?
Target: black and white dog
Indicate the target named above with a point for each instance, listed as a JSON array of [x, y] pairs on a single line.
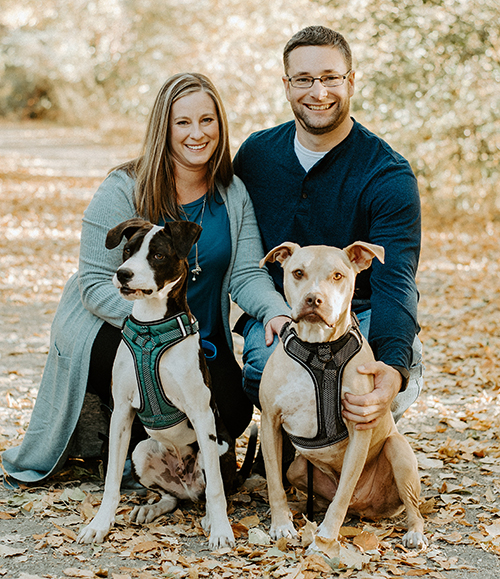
[[154, 274]]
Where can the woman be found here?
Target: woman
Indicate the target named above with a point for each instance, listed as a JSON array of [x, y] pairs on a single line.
[[184, 172]]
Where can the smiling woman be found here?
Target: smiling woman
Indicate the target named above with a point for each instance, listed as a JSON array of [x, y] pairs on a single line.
[[194, 136], [183, 173]]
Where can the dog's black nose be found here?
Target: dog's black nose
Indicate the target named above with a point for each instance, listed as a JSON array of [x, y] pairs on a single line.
[[124, 275], [313, 300]]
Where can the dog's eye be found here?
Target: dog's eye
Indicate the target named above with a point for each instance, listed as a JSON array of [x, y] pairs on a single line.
[[159, 256], [127, 251], [337, 276], [298, 274]]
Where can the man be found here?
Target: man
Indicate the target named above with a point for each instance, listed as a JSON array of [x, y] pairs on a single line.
[[324, 179]]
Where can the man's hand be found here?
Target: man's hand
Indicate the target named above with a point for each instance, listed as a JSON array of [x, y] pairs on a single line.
[[367, 410], [274, 326]]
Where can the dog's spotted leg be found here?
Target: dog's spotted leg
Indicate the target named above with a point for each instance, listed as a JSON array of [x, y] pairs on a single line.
[[174, 473], [215, 521], [120, 428]]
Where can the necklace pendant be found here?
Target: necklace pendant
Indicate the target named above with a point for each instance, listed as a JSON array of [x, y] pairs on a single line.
[[196, 272]]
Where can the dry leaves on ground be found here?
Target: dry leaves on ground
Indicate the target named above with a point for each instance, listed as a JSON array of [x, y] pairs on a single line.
[[454, 428]]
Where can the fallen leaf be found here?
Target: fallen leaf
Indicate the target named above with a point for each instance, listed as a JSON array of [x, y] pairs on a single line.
[[366, 541], [258, 537], [350, 531], [66, 532], [74, 572], [352, 558], [493, 530], [308, 532], [424, 462], [251, 521], [239, 530], [316, 563], [330, 547], [146, 546], [6, 551]]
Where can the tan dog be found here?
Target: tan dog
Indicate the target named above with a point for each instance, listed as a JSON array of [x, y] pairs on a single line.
[[370, 473]]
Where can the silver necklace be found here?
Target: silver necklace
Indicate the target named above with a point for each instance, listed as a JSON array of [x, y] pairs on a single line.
[[196, 269]]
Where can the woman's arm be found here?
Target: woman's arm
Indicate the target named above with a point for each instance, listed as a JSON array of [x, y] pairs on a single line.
[[112, 204], [251, 287]]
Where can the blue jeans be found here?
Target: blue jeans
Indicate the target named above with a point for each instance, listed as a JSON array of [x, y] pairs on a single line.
[[256, 354]]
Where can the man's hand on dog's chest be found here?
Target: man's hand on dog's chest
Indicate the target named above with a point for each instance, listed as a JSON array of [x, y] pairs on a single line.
[[367, 410]]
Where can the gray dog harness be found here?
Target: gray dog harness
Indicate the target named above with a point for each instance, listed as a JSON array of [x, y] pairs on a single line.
[[325, 363], [147, 341]]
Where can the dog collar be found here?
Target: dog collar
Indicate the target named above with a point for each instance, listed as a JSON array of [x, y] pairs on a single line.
[[147, 341], [325, 362]]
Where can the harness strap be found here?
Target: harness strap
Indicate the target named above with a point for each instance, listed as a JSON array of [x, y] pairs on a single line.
[[325, 362], [147, 341]]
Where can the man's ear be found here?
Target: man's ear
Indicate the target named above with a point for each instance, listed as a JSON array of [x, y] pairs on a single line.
[[351, 83], [286, 84], [361, 254], [280, 253]]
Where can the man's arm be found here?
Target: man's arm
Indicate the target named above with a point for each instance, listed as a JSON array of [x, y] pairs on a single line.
[[395, 226]]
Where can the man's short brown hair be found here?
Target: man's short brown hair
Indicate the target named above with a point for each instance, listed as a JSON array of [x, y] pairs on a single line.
[[318, 36]]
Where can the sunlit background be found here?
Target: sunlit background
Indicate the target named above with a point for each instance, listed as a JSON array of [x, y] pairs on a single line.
[[427, 72], [77, 80]]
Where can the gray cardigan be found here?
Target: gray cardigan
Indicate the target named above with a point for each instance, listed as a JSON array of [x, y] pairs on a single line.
[[90, 298]]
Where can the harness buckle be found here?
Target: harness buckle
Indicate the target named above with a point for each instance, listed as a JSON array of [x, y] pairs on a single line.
[[182, 327]]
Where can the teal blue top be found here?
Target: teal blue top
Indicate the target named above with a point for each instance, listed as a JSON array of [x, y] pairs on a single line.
[[214, 254]]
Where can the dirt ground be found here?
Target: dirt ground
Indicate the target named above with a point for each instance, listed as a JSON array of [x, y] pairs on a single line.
[[47, 177]]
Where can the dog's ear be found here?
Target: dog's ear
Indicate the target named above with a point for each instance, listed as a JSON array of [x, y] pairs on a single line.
[[361, 254], [127, 229], [280, 253], [184, 235]]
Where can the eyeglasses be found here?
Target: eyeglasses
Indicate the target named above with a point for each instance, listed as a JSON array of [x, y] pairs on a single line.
[[328, 80]]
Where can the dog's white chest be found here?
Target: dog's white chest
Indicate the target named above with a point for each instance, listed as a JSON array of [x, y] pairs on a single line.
[[289, 391]]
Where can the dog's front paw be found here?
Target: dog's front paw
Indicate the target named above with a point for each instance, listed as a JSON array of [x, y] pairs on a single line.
[[415, 540], [94, 533], [221, 534], [287, 530]]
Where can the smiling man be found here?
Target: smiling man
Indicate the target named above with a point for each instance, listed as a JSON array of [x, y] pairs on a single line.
[[324, 179]]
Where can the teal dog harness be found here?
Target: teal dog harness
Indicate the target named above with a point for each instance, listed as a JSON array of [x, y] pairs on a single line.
[[147, 341], [325, 363]]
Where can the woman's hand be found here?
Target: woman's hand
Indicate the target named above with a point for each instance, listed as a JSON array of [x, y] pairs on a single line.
[[274, 326], [367, 410]]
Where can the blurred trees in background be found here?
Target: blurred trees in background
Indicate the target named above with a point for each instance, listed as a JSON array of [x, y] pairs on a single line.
[[427, 73]]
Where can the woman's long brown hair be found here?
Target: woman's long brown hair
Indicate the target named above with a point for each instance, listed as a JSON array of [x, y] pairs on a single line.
[[153, 170]]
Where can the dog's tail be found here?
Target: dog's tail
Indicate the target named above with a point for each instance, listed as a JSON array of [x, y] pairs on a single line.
[[246, 468]]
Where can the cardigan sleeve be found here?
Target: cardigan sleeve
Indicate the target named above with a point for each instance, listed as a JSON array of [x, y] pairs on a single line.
[[112, 204], [250, 286]]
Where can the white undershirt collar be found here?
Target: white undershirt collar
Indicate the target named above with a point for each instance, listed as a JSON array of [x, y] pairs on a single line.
[[306, 157]]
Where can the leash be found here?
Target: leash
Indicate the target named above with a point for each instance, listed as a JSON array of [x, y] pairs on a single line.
[[209, 349], [310, 491]]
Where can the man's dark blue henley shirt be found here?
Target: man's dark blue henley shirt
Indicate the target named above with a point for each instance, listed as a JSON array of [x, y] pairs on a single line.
[[362, 190]]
